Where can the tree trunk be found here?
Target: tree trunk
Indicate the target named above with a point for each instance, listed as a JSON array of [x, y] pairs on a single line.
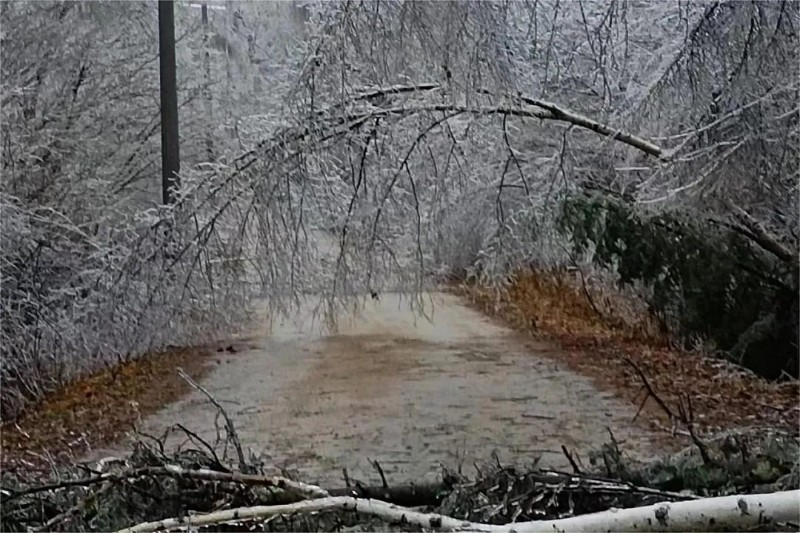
[[207, 88]]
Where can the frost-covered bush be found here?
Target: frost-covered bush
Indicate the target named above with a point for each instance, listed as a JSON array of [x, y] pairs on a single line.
[[73, 302], [705, 280], [92, 271]]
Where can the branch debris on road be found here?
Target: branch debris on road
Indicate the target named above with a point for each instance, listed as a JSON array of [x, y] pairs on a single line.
[[152, 490]]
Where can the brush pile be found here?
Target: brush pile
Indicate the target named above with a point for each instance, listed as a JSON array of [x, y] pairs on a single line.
[[183, 486]]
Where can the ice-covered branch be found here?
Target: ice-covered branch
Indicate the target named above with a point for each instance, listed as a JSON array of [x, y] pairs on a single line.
[[333, 120]]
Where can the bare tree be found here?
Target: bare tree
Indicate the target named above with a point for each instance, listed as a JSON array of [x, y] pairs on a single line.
[[392, 141]]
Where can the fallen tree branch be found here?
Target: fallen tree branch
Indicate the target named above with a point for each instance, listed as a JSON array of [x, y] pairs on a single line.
[[607, 485], [339, 122], [545, 111], [410, 495], [63, 485], [762, 237], [565, 115], [300, 490], [407, 495], [376, 508], [303, 490], [726, 512]]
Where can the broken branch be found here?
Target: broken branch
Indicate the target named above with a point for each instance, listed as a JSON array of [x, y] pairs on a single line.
[[229, 427]]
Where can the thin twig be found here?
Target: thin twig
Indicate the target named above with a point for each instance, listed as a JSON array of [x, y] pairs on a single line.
[[571, 460], [194, 437], [650, 390], [685, 413], [75, 509], [641, 406], [615, 485], [377, 466], [231, 430], [687, 417]]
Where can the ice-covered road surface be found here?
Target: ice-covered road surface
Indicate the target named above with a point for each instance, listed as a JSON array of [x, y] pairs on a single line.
[[405, 391]]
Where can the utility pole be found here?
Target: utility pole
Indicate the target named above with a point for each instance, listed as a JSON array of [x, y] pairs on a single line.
[[207, 88], [170, 149]]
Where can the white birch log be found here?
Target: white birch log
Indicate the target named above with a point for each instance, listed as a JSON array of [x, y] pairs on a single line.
[[727, 512], [376, 508]]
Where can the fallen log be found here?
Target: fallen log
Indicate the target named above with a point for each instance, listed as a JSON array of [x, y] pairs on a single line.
[[725, 513], [722, 513], [411, 495]]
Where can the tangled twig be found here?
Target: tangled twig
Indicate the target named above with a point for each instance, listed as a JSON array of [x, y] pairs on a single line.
[[229, 427]]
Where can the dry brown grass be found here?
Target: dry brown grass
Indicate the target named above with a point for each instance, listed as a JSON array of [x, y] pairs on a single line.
[[98, 409], [601, 333], [563, 304]]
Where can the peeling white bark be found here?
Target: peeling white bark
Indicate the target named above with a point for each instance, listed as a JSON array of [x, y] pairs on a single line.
[[727, 512]]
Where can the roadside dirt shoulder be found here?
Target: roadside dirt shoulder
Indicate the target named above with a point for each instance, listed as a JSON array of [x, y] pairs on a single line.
[[723, 396]]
